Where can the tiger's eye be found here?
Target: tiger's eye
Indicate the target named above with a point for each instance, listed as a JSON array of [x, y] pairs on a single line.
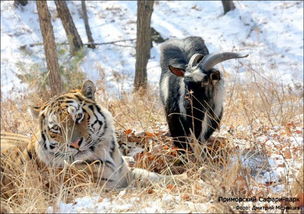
[[79, 117], [55, 129]]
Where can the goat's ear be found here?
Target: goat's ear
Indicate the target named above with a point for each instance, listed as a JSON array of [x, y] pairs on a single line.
[[88, 89], [34, 111], [177, 71]]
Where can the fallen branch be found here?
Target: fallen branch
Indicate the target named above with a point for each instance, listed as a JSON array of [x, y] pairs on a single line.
[[87, 44], [113, 42]]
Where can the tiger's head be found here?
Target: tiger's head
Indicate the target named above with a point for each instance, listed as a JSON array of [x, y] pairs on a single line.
[[72, 127]]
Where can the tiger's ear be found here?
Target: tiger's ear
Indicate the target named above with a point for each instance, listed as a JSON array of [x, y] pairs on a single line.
[[88, 89], [34, 111]]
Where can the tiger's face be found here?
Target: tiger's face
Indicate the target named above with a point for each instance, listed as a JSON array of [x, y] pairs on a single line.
[[72, 125]]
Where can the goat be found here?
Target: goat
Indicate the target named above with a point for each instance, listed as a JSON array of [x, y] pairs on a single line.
[[191, 90]]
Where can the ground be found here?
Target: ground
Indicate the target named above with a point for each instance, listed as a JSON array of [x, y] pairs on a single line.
[[258, 151]]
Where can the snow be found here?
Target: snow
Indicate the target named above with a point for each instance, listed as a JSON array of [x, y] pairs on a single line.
[[270, 31], [97, 204], [272, 166]]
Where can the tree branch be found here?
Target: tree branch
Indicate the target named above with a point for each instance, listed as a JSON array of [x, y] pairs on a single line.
[[87, 44]]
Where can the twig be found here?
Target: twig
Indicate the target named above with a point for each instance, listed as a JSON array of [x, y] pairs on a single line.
[[113, 42], [87, 44]]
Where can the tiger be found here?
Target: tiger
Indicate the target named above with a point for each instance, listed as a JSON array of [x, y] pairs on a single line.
[[74, 129]]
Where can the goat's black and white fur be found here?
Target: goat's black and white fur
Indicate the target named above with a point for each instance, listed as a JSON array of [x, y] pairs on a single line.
[[191, 91]]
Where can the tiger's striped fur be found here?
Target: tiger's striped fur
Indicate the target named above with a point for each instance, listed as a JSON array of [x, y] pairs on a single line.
[[74, 129]]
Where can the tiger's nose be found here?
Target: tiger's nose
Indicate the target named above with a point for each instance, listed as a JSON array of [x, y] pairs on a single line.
[[76, 143]]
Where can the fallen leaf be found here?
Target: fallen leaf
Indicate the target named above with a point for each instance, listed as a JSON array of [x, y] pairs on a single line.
[[170, 186], [149, 134], [150, 191], [298, 131], [128, 131], [300, 203], [165, 147], [287, 154], [291, 124], [186, 197]]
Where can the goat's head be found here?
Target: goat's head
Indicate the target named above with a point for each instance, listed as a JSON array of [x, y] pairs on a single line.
[[200, 69]]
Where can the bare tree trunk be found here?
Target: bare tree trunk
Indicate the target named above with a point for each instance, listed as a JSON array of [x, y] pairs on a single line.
[[143, 42], [86, 24], [49, 47], [69, 26], [20, 2], [228, 5]]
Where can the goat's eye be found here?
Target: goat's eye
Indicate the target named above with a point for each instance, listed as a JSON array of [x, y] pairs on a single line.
[[55, 129], [205, 81]]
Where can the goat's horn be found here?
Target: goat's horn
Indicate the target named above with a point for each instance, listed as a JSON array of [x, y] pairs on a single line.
[[213, 59], [195, 59]]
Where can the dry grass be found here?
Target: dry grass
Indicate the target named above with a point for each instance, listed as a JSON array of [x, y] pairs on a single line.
[[260, 106]]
